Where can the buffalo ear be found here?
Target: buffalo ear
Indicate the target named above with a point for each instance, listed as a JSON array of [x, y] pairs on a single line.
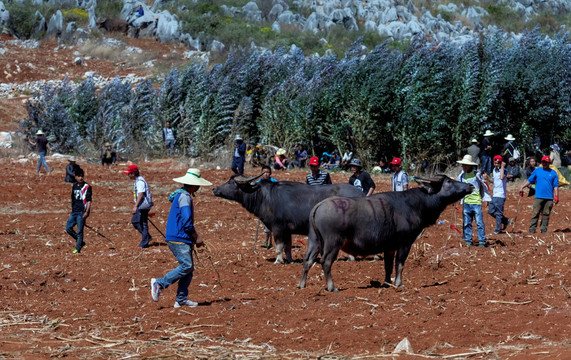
[[425, 184]]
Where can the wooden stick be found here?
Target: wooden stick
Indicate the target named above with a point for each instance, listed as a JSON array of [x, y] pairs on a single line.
[[510, 302]]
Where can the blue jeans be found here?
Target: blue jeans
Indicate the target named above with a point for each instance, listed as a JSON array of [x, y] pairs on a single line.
[[183, 273], [496, 210], [76, 218], [470, 212], [169, 145], [141, 222], [42, 161], [238, 165], [486, 164]]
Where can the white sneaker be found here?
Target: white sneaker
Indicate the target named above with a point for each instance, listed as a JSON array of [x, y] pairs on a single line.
[[185, 303], [155, 289]]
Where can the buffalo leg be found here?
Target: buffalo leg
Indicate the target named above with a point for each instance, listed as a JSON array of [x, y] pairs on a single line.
[[309, 257], [287, 249], [282, 241], [329, 256], [389, 261], [402, 254]]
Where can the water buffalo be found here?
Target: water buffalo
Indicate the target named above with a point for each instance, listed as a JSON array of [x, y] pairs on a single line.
[[387, 222], [283, 207], [118, 25]]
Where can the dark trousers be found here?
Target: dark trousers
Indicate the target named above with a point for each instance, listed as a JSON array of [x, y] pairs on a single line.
[[76, 218], [238, 165], [496, 210], [542, 206], [140, 221]]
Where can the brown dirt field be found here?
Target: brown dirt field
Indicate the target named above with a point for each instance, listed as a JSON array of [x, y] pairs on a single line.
[[511, 300]]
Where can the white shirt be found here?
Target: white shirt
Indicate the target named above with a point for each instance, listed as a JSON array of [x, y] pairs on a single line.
[[499, 184], [400, 179]]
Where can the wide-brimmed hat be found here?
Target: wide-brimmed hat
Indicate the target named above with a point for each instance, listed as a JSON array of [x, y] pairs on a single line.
[[72, 158], [107, 144], [488, 133], [192, 177], [356, 162], [474, 141], [509, 137], [555, 147], [281, 151], [39, 132], [467, 160], [238, 137], [131, 169]]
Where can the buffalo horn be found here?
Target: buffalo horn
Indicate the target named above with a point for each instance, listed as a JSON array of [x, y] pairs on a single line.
[[242, 180]]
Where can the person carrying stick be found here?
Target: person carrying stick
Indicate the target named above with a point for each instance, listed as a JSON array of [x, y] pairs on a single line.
[[181, 236]]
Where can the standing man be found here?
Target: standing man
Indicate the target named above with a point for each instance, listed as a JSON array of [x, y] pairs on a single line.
[[361, 179], [108, 156], [487, 152], [70, 170], [509, 150], [472, 203], [496, 209], [300, 157], [400, 178], [181, 236], [143, 204], [546, 193], [43, 148], [239, 156], [80, 209], [169, 138], [317, 176], [474, 151]]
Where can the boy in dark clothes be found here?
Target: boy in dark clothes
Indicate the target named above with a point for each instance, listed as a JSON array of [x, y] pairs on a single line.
[[70, 170], [80, 208]]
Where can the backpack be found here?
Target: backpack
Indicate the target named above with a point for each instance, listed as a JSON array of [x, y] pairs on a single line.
[[516, 154]]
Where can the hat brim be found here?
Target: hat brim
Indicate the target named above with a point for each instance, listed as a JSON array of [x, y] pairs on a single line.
[[466, 163], [192, 180]]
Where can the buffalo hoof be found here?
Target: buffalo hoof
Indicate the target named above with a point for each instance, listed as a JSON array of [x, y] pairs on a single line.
[[279, 261], [351, 258], [334, 290]]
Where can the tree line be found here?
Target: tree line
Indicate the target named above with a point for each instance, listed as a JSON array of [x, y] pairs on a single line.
[[425, 102]]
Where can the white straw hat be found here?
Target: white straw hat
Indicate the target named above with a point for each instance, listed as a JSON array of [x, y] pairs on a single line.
[[509, 137], [39, 132], [192, 177], [467, 160], [488, 133]]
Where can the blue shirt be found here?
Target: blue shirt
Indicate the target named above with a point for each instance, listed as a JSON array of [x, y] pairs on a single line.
[[180, 223], [545, 181]]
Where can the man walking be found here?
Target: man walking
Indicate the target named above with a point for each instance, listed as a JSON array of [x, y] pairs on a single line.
[[181, 236], [43, 148], [546, 193], [239, 156], [486, 152], [169, 138], [143, 204], [317, 176], [80, 209]]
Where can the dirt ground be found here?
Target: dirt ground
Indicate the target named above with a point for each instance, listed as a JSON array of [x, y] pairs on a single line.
[[511, 300]]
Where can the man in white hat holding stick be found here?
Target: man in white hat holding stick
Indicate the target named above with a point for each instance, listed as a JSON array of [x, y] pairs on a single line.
[[181, 236], [43, 148]]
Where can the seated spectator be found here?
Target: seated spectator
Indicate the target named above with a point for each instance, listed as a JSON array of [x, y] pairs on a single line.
[[512, 170], [333, 162], [108, 155], [280, 160], [346, 158], [300, 157], [140, 11], [324, 160]]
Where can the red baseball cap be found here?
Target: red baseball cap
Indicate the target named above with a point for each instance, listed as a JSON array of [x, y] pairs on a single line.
[[546, 158], [498, 157], [131, 169], [396, 161], [314, 161]]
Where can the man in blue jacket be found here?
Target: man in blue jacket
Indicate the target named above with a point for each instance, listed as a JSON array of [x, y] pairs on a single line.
[[181, 236]]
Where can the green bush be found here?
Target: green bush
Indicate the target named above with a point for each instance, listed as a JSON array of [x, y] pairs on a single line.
[[22, 18], [108, 8]]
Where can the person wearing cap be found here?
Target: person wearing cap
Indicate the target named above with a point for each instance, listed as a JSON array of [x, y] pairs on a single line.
[[81, 197], [280, 160], [509, 150], [70, 170], [108, 155], [496, 208], [400, 178], [317, 176], [43, 148], [546, 183], [181, 237], [361, 179], [239, 156], [143, 204], [474, 151], [472, 203], [169, 138], [486, 152], [513, 170]]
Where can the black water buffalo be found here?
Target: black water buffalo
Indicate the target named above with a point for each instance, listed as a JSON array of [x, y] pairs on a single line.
[[387, 222], [283, 207], [112, 25]]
